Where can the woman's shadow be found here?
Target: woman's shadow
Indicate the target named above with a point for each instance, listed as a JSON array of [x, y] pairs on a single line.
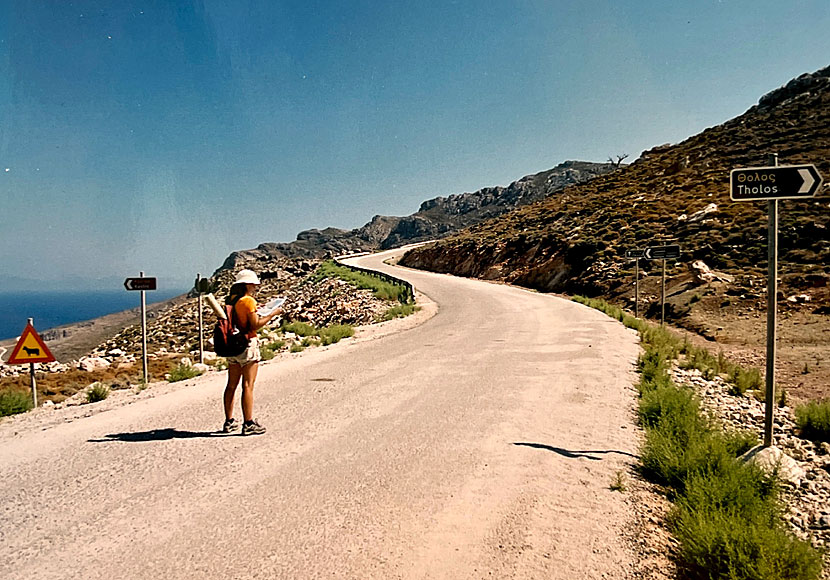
[[158, 435]]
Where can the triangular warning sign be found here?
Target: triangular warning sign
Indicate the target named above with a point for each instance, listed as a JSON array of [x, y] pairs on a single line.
[[30, 349]]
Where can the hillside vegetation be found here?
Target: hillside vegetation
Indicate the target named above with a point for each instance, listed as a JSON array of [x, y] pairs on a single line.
[[575, 239]]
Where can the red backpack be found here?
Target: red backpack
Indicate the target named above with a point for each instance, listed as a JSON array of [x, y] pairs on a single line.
[[228, 338]]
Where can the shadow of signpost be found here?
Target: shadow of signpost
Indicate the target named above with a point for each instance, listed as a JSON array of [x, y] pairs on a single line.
[[574, 454], [157, 435]]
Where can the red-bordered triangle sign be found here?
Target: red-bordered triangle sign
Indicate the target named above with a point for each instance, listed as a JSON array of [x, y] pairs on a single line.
[[30, 349]]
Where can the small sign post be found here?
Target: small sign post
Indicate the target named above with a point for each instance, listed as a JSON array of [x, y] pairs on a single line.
[[636, 254], [772, 183], [204, 286], [30, 349], [662, 253], [201, 327], [142, 284]]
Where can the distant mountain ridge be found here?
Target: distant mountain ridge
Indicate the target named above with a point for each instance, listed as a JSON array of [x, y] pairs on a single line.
[[436, 218], [575, 240]]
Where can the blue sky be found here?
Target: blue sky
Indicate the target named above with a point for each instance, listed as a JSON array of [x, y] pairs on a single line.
[[161, 136]]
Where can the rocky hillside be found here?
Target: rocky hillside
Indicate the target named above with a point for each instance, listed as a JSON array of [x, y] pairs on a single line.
[[436, 217], [173, 330], [575, 240]]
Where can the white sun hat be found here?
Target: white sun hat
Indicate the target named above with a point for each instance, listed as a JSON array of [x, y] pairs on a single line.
[[246, 277]]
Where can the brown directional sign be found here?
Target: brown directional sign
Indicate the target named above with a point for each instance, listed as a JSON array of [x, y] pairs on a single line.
[[140, 283], [775, 182], [634, 253], [662, 252]]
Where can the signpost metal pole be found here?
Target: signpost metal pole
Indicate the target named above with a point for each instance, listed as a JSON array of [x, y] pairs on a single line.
[[144, 334], [772, 311], [773, 183], [637, 288], [32, 373], [663, 296], [201, 331]]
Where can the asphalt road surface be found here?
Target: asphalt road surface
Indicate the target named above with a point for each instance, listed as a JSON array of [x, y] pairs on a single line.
[[479, 443]]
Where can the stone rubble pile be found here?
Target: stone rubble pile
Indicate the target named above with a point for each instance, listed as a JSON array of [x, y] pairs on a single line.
[[333, 301], [175, 328], [323, 303], [808, 500]]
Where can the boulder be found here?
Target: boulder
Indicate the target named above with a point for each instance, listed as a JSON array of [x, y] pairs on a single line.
[[702, 274], [773, 460], [699, 215], [92, 363]]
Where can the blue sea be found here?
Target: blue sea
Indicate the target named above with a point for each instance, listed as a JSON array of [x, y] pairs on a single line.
[[50, 309]]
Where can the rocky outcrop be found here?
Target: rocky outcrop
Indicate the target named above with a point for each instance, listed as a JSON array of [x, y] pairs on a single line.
[[804, 84], [435, 218]]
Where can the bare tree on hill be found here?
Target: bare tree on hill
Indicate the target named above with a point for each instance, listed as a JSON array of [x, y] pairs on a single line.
[[619, 160]]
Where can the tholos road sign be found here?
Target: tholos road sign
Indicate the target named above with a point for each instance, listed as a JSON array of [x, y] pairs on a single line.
[[775, 182], [634, 253], [140, 283], [30, 349]]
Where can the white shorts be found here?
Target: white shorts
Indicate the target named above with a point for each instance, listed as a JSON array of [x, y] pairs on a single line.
[[249, 355]]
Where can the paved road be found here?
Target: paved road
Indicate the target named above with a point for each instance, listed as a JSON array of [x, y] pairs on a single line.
[[478, 444]]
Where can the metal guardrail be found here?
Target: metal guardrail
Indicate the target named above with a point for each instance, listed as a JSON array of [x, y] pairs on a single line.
[[409, 290]]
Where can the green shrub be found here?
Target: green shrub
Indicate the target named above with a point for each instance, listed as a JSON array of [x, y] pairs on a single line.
[[268, 350], [382, 289], [299, 328], [328, 335], [724, 366], [679, 448], [665, 401], [728, 528], [334, 333], [744, 380], [15, 401], [399, 311], [97, 392], [297, 348], [739, 442], [727, 517], [618, 483], [653, 369], [182, 373], [702, 360], [813, 419]]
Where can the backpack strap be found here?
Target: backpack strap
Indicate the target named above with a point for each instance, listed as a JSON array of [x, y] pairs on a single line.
[[234, 319]]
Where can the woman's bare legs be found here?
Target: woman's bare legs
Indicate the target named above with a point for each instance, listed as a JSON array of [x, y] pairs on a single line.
[[234, 374], [249, 373]]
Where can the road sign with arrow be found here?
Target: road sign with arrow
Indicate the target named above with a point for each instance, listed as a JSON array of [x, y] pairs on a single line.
[[662, 252], [140, 283], [775, 182]]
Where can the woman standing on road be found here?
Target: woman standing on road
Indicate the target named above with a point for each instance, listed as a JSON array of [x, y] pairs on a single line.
[[245, 365]]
